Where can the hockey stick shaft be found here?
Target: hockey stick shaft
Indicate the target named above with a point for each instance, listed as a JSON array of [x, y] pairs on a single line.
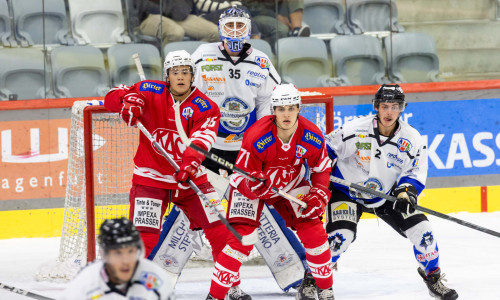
[[417, 207], [224, 163], [245, 240], [22, 292], [138, 64]]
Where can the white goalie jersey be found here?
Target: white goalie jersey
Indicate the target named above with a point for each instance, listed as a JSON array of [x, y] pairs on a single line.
[[242, 88], [365, 157]]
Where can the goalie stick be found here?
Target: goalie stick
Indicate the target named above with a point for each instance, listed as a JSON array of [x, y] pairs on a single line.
[[224, 162], [417, 207], [22, 292]]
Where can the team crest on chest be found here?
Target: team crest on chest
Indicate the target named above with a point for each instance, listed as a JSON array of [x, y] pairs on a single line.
[[404, 145], [150, 280], [300, 151], [262, 62], [187, 113]]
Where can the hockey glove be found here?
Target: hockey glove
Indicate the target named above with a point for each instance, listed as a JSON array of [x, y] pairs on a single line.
[[316, 200], [132, 108], [188, 169], [255, 189], [406, 198]]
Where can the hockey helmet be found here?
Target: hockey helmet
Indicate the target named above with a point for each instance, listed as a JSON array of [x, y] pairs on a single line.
[[118, 233], [285, 94], [177, 58], [390, 93], [229, 32]]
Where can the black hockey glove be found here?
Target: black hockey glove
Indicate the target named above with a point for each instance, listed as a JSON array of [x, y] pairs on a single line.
[[406, 198]]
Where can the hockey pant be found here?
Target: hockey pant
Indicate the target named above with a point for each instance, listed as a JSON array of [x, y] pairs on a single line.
[[343, 215], [309, 231]]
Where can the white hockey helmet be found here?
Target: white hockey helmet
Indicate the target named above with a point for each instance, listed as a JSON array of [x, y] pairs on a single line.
[[285, 94], [177, 58], [233, 36]]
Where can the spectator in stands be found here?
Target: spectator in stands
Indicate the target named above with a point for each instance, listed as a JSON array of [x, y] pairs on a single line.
[[171, 20], [289, 16]]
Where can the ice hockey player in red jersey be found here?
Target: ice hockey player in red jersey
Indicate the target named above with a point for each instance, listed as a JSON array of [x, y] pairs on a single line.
[[155, 183], [288, 152]]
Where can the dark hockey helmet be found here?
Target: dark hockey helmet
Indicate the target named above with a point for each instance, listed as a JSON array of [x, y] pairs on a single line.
[[118, 233], [390, 93], [233, 36]]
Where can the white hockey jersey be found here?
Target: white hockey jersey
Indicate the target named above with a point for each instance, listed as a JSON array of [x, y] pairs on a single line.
[[148, 282], [365, 157], [241, 88]]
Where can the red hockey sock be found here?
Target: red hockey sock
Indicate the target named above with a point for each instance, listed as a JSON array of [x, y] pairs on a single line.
[[150, 240]]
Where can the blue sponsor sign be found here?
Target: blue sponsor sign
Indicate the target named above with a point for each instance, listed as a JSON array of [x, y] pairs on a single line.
[[463, 136]]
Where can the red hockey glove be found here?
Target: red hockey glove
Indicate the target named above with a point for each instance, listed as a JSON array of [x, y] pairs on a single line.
[[191, 161], [255, 189], [316, 202], [132, 108], [406, 198]]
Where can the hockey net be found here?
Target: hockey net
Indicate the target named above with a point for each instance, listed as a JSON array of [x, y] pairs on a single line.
[[100, 170]]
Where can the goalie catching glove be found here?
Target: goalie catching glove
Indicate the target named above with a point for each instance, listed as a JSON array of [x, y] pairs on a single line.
[[255, 189], [316, 200], [132, 108], [406, 198], [188, 169]]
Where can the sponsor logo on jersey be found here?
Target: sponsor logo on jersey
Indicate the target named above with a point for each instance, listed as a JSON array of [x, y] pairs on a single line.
[[312, 138], [415, 163], [209, 68], [364, 146], [427, 240], [211, 79], [233, 138], [362, 136], [372, 183], [363, 158], [256, 75], [300, 151], [249, 83], [404, 145], [264, 142], [150, 280], [202, 104], [169, 139], [187, 113], [234, 114], [152, 87], [262, 62]]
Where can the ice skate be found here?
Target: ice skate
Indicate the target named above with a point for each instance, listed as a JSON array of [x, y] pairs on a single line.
[[307, 289], [236, 293], [436, 288], [210, 297], [326, 294]]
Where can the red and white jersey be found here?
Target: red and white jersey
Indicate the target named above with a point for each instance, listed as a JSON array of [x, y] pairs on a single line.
[[200, 120], [286, 164]]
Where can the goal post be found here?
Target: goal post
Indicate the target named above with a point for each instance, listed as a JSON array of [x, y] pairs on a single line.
[[100, 168]]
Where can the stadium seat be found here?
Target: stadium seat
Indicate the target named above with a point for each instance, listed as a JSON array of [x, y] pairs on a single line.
[[372, 16], [263, 46], [324, 17], [122, 68], [303, 61], [98, 22], [35, 23], [189, 46], [6, 37], [358, 60], [78, 71], [22, 74], [411, 57]]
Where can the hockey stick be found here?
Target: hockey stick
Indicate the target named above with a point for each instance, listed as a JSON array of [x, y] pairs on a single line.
[[22, 292], [249, 239], [224, 163], [417, 207]]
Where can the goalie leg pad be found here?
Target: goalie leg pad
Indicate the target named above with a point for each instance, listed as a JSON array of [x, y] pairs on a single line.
[[424, 246]]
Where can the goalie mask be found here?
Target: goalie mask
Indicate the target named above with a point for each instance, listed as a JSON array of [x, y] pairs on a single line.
[[177, 58], [118, 233], [390, 93], [285, 94], [234, 28]]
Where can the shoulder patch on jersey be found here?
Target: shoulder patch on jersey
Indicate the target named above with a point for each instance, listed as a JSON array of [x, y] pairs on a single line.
[[404, 145], [264, 142], [312, 138], [152, 87], [262, 62], [150, 280], [202, 104], [300, 151], [187, 112]]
